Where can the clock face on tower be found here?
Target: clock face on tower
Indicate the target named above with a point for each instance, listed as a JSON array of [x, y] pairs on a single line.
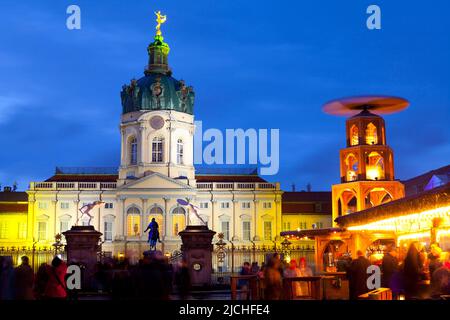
[[157, 122]]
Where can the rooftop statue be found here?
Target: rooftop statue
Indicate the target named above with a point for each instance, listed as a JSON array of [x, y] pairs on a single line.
[[160, 19]]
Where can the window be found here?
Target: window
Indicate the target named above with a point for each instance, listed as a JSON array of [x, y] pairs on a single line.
[[42, 230], [267, 230], [178, 219], [133, 150], [204, 205], [286, 226], [226, 230], [157, 150], [246, 230], [319, 225], [318, 207], [108, 231], [225, 205], [3, 230], [374, 166], [133, 221], [42, 205], [109, 205], [354, 140], [303, 225], [267, 205], [22, 230], [180, 151], [371, 134], [245, 205], [64, 205], [63, 226], [156, 210]]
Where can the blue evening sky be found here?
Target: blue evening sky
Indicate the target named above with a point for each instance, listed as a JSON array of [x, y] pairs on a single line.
[[253, 64]]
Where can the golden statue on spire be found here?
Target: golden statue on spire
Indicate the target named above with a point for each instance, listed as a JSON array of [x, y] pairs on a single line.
[[160, 19]]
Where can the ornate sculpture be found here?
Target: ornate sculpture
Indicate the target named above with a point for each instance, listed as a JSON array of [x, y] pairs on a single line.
[[184, 94], [194, 209], [87, 208], [160, 19]]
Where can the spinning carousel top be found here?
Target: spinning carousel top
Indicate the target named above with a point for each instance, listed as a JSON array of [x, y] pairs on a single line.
[[375, 104]]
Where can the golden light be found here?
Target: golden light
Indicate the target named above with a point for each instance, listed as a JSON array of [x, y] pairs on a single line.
[[373, 173], [421, 221]]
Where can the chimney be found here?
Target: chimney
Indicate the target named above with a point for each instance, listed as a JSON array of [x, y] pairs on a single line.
[[308, 187], [293, 187], [7, 189]]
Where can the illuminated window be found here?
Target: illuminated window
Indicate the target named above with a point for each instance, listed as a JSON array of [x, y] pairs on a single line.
[[286, 226], [246, 230], [22, 230], [371, 134], [108, 230], [133, 221], [354, 135], [178, 219], [157, 150], [64, 205], [267, 230], [133, 151], [375, 166], [225, 229], [3, 230], [42, 230], [204, 205], [180, 151], [352, 167]]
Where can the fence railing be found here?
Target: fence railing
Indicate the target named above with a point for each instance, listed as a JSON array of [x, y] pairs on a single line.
[[36, 256], [72, 185], [237, 186]]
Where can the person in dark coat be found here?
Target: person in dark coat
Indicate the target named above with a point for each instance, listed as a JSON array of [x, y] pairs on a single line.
[[6, 278], [183, 280], [357, 275], [412, 270], [24, 280], [389, 266]]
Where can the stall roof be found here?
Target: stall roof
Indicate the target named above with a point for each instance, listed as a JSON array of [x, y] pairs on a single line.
[[310, 233]]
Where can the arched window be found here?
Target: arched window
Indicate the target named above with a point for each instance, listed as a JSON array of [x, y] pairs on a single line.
[[180, 151], [178, 220], [371, 134], [157, 149], [354, 135], [133, 150], [375, 166], [352, 167], [133, 221]]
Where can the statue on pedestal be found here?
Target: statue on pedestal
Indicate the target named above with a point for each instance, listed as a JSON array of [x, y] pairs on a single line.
[[153, 235]]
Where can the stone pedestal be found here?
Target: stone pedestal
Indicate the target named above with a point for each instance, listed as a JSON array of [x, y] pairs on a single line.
[[82, 248], [197, 249]]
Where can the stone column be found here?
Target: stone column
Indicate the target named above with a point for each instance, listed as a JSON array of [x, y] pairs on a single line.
[[143, 224], [213, 209], [278, 219], [124, 219], [256, 236], [54, 204], [167, 219], [235, 237], [76, 203]]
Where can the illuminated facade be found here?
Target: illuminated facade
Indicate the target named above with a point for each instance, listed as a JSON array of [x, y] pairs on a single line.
[[156, 169], [366, 167]]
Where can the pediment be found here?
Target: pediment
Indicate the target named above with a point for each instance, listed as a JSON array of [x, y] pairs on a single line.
[[156, 181]]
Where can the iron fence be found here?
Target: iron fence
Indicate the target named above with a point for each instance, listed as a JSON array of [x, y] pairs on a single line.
[[36, 255]]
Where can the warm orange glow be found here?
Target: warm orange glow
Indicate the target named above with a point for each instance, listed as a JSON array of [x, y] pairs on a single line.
[[415, 222]]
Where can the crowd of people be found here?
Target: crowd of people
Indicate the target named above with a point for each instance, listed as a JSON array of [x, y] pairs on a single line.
[[271, 276], [408, 278], [152, 279]]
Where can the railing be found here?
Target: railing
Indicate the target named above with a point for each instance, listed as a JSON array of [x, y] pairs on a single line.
[[72, 185], [237, 186]]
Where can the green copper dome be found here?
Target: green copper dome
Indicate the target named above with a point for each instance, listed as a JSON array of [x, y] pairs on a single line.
[[157, 90]]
